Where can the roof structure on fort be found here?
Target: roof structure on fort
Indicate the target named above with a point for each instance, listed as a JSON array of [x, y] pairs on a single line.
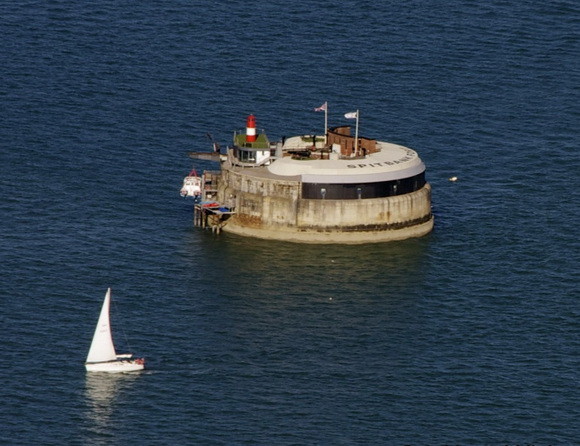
[[391, 162]]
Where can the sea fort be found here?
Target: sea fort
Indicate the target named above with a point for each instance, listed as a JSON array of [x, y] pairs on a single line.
[[330, 188]]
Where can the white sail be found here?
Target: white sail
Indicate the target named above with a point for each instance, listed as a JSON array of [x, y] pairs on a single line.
[[102, 347]]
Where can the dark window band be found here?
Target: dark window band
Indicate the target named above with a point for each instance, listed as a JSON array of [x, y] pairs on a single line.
[[356, 191]]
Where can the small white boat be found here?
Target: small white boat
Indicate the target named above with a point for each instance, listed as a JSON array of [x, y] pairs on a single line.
[[191, 185], [102, 356]]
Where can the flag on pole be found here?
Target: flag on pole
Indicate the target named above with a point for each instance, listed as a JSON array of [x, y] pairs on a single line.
[[351, 115], [324, 108], [321, 108]]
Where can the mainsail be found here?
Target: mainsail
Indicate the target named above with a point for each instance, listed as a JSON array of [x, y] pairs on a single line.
[[102, 347]]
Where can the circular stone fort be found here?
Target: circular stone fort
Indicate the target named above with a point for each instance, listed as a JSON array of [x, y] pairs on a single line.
[[331, 188]]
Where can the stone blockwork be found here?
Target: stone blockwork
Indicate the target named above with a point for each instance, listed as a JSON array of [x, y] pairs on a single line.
[[272, 208], [364, 215]]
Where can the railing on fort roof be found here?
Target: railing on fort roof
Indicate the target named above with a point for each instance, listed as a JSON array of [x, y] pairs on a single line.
[[341, 136], [261, 142]]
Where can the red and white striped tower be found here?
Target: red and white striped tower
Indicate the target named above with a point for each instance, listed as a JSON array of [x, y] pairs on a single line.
[[251, 129]]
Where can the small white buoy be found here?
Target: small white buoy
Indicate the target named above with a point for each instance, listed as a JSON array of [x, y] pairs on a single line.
[[453, 179]]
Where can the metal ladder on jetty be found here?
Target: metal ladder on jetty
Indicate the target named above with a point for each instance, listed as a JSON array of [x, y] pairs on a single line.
[[208, 213]]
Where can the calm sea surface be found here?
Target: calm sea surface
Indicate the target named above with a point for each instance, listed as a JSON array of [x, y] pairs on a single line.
[[467, 336]]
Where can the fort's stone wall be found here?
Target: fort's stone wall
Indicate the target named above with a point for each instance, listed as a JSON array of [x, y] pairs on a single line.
[[368, 214], [273, 208]]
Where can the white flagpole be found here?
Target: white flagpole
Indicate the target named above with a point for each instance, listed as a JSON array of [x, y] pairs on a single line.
[[356, 135], [325, 122]]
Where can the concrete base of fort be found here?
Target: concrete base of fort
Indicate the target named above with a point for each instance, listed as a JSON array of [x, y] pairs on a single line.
[[331, 237], [289, 218]]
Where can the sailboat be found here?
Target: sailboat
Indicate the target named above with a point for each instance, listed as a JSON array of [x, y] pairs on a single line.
[[102, 356]]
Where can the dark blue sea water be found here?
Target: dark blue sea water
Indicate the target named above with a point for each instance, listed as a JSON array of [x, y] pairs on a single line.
[[467, 336]]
